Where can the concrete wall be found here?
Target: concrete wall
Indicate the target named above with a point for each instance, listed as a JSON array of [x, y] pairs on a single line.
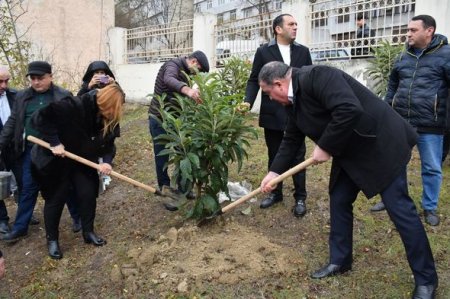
[[438, 9], [69, 34], [137, 80]]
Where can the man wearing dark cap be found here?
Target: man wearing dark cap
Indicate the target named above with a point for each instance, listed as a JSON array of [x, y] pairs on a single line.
[[171, 80], [17, 128]]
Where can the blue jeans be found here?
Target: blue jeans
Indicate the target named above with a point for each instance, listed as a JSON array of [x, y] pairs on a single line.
[[160, 161], [430, 150], [28, 194]]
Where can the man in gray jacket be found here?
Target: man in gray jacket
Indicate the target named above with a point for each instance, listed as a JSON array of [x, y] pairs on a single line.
[[172, 79]]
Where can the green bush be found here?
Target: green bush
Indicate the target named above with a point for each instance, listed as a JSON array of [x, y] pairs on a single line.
[[380, 68]]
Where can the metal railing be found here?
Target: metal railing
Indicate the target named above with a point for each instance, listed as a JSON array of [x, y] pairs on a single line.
[[242, 37], [334, 31], [158, 43]]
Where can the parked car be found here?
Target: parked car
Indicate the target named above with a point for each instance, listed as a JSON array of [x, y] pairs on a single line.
[[330, 54], [239, 47]]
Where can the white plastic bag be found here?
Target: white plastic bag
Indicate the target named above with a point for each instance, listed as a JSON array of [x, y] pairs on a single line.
[[236, 191]]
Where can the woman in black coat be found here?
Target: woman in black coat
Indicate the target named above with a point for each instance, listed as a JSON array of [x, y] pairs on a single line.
[[98, 75], [85, 126]]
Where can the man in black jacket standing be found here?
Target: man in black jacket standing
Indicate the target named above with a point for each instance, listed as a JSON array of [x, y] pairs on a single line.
[[371, 147], [7, 98], [172, 79], [272, 115]]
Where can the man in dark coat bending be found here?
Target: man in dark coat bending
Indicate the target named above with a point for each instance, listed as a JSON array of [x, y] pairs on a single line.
[[370, 145]]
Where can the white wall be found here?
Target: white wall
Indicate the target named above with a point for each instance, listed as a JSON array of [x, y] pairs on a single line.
[[137, 80], [439, 10]]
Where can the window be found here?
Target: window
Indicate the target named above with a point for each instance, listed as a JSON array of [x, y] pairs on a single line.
[[263, 8], [343, 15], [247, 12], [221, 2], [277, 4], [320, 19], [209, 4], [233, 15], [220, 18], [198, 7]]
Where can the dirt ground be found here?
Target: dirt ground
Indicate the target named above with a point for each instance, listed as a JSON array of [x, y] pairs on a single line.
[[154, 253]]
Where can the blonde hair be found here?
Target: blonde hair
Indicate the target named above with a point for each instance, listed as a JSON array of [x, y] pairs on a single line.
[[110, 97]]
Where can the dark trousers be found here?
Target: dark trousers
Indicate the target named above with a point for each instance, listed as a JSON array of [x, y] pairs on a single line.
[[81, 181], [15, 167], [446, 145], [273, 140], [160, 161], [401, 210]]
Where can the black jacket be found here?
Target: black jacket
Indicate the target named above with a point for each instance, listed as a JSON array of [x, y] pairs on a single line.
[[419, 85], [170, 80], [92, 67], [7, 154], [13, 130], [272, 115], [366, 137], [74, 122]]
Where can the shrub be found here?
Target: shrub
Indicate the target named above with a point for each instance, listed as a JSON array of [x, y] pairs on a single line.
[[380, 68]]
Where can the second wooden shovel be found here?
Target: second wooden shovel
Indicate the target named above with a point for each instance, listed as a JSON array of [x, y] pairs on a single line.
[[96, 166], [273, 182]]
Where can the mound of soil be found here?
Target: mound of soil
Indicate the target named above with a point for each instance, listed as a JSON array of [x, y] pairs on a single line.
[[226, 254]]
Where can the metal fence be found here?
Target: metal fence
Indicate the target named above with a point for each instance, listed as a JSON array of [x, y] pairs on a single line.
[[334, 32], [158, 43], [242, 37], [334, 26]]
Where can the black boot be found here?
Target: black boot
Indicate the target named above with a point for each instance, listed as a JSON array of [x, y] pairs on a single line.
[[91, 237], [53, 249]]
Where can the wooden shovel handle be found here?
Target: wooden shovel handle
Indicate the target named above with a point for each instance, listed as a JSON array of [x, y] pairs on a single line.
[[96, 166], [273, 182]]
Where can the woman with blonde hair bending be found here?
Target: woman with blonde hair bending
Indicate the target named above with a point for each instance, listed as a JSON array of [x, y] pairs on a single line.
[[85, 126]]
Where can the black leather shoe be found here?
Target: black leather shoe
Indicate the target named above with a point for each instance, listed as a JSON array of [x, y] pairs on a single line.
[[53, 249], [4, 227], [76, 225], [299, 209], [170, 207], [425, 291], [379, 206], [270, 200], [91, 237], [34, 221], [13, 236], [330, 270]]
